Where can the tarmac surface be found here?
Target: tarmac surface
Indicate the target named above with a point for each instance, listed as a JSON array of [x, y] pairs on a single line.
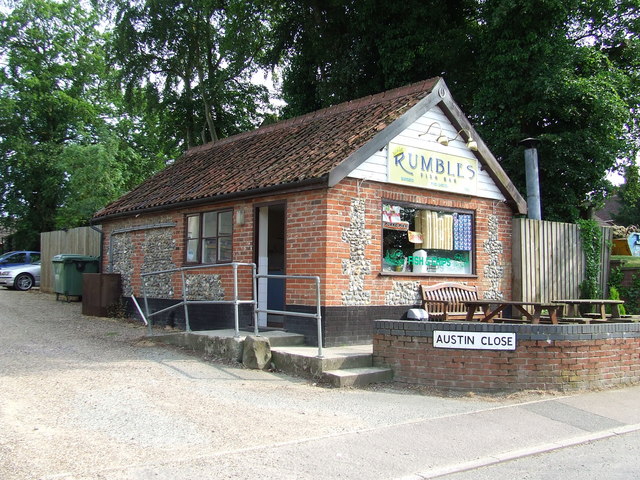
[[94, 398]]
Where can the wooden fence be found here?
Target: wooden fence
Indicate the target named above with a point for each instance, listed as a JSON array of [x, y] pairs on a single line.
[[548, 260], [78, 241]]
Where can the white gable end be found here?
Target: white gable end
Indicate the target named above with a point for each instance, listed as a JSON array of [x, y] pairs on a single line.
[[376, 166]]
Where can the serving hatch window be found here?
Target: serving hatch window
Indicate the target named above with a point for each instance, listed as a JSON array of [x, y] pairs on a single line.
[[427, 240], [210, 237]]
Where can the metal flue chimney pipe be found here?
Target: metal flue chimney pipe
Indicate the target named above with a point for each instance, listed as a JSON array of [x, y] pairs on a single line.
[[533, 184]]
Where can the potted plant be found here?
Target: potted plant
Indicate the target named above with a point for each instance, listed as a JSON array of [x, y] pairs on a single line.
[[395, 258]]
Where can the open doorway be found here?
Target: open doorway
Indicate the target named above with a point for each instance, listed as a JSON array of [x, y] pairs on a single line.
[[270, 255]]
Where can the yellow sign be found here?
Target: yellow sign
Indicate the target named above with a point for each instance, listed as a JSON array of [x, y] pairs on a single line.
[[435, 171]]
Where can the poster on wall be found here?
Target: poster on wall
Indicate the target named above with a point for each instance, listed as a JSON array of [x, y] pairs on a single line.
[[415, 237], [436, 171], [392, 219]]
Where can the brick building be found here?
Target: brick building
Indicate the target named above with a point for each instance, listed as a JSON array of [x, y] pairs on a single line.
[[374, 196]]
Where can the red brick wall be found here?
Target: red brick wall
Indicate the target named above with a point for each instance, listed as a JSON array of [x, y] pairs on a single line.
[[564, 361], [338, 207], [306, 253], [314, 225]]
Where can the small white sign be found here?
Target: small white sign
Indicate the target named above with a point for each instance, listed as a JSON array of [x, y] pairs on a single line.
[[474, 340]]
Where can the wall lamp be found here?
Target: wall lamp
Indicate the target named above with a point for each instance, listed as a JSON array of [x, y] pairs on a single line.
[[240, 216], [444, 140], [441, 138], [471, 143]]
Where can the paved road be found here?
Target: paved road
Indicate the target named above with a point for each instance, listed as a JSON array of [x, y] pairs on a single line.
[[84, 398]]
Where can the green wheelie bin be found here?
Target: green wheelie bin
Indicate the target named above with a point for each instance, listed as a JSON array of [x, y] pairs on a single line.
[[68, 270]]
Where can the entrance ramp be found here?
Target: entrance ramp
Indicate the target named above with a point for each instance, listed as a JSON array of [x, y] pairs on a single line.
[[338, 366]]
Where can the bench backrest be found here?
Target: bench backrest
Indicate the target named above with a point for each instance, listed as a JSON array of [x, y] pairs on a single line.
[[455, 293]]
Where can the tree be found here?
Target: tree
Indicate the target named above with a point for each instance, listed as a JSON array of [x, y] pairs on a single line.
[[63, 146], [547, 72], [629, 213], [193, 60], [45, 100], [335, 51], [563, 71]]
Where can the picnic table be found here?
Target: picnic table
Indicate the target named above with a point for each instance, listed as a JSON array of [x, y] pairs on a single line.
[[492, 308], [600, 304]]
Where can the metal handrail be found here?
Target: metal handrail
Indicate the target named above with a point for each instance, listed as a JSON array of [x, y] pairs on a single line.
[[185, 302], [317, 315]]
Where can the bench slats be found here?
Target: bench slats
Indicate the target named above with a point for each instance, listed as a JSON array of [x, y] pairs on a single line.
[[446, 300]]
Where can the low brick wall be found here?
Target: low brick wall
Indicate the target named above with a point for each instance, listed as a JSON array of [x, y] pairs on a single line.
[[546, 357]]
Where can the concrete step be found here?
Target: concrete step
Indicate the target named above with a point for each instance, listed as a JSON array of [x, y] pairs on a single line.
[[301, 360], [340, 367], [340, 362], [358, 377], [282, 339]]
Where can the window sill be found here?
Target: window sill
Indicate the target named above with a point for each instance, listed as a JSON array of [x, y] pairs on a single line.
[[414, 274]]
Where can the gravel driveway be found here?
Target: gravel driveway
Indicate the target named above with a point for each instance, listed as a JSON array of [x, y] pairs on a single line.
[[93, 398]]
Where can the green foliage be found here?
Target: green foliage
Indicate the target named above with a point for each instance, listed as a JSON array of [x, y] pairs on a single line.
[[66, 147], [627, 261], [541, 78], [394, 257], [631, 294], [97, 179], [563, 71], [190, 64], [629, 213], [48, 96], [335, 51], [615, 295], [591, 236], [615, 278]]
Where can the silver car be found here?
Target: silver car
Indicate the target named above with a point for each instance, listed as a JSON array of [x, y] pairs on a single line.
[[20, 277]]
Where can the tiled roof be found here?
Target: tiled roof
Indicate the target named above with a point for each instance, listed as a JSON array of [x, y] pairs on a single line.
[[283, 154], [611, 208]]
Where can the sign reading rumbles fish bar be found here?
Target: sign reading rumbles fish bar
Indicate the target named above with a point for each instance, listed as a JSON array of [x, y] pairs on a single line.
[[474, 340], [432, 170]]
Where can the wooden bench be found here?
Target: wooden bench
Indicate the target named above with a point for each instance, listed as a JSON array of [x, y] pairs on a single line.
[[445, 301]]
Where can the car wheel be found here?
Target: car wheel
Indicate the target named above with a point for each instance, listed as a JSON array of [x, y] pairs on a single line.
[[23, 282]]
